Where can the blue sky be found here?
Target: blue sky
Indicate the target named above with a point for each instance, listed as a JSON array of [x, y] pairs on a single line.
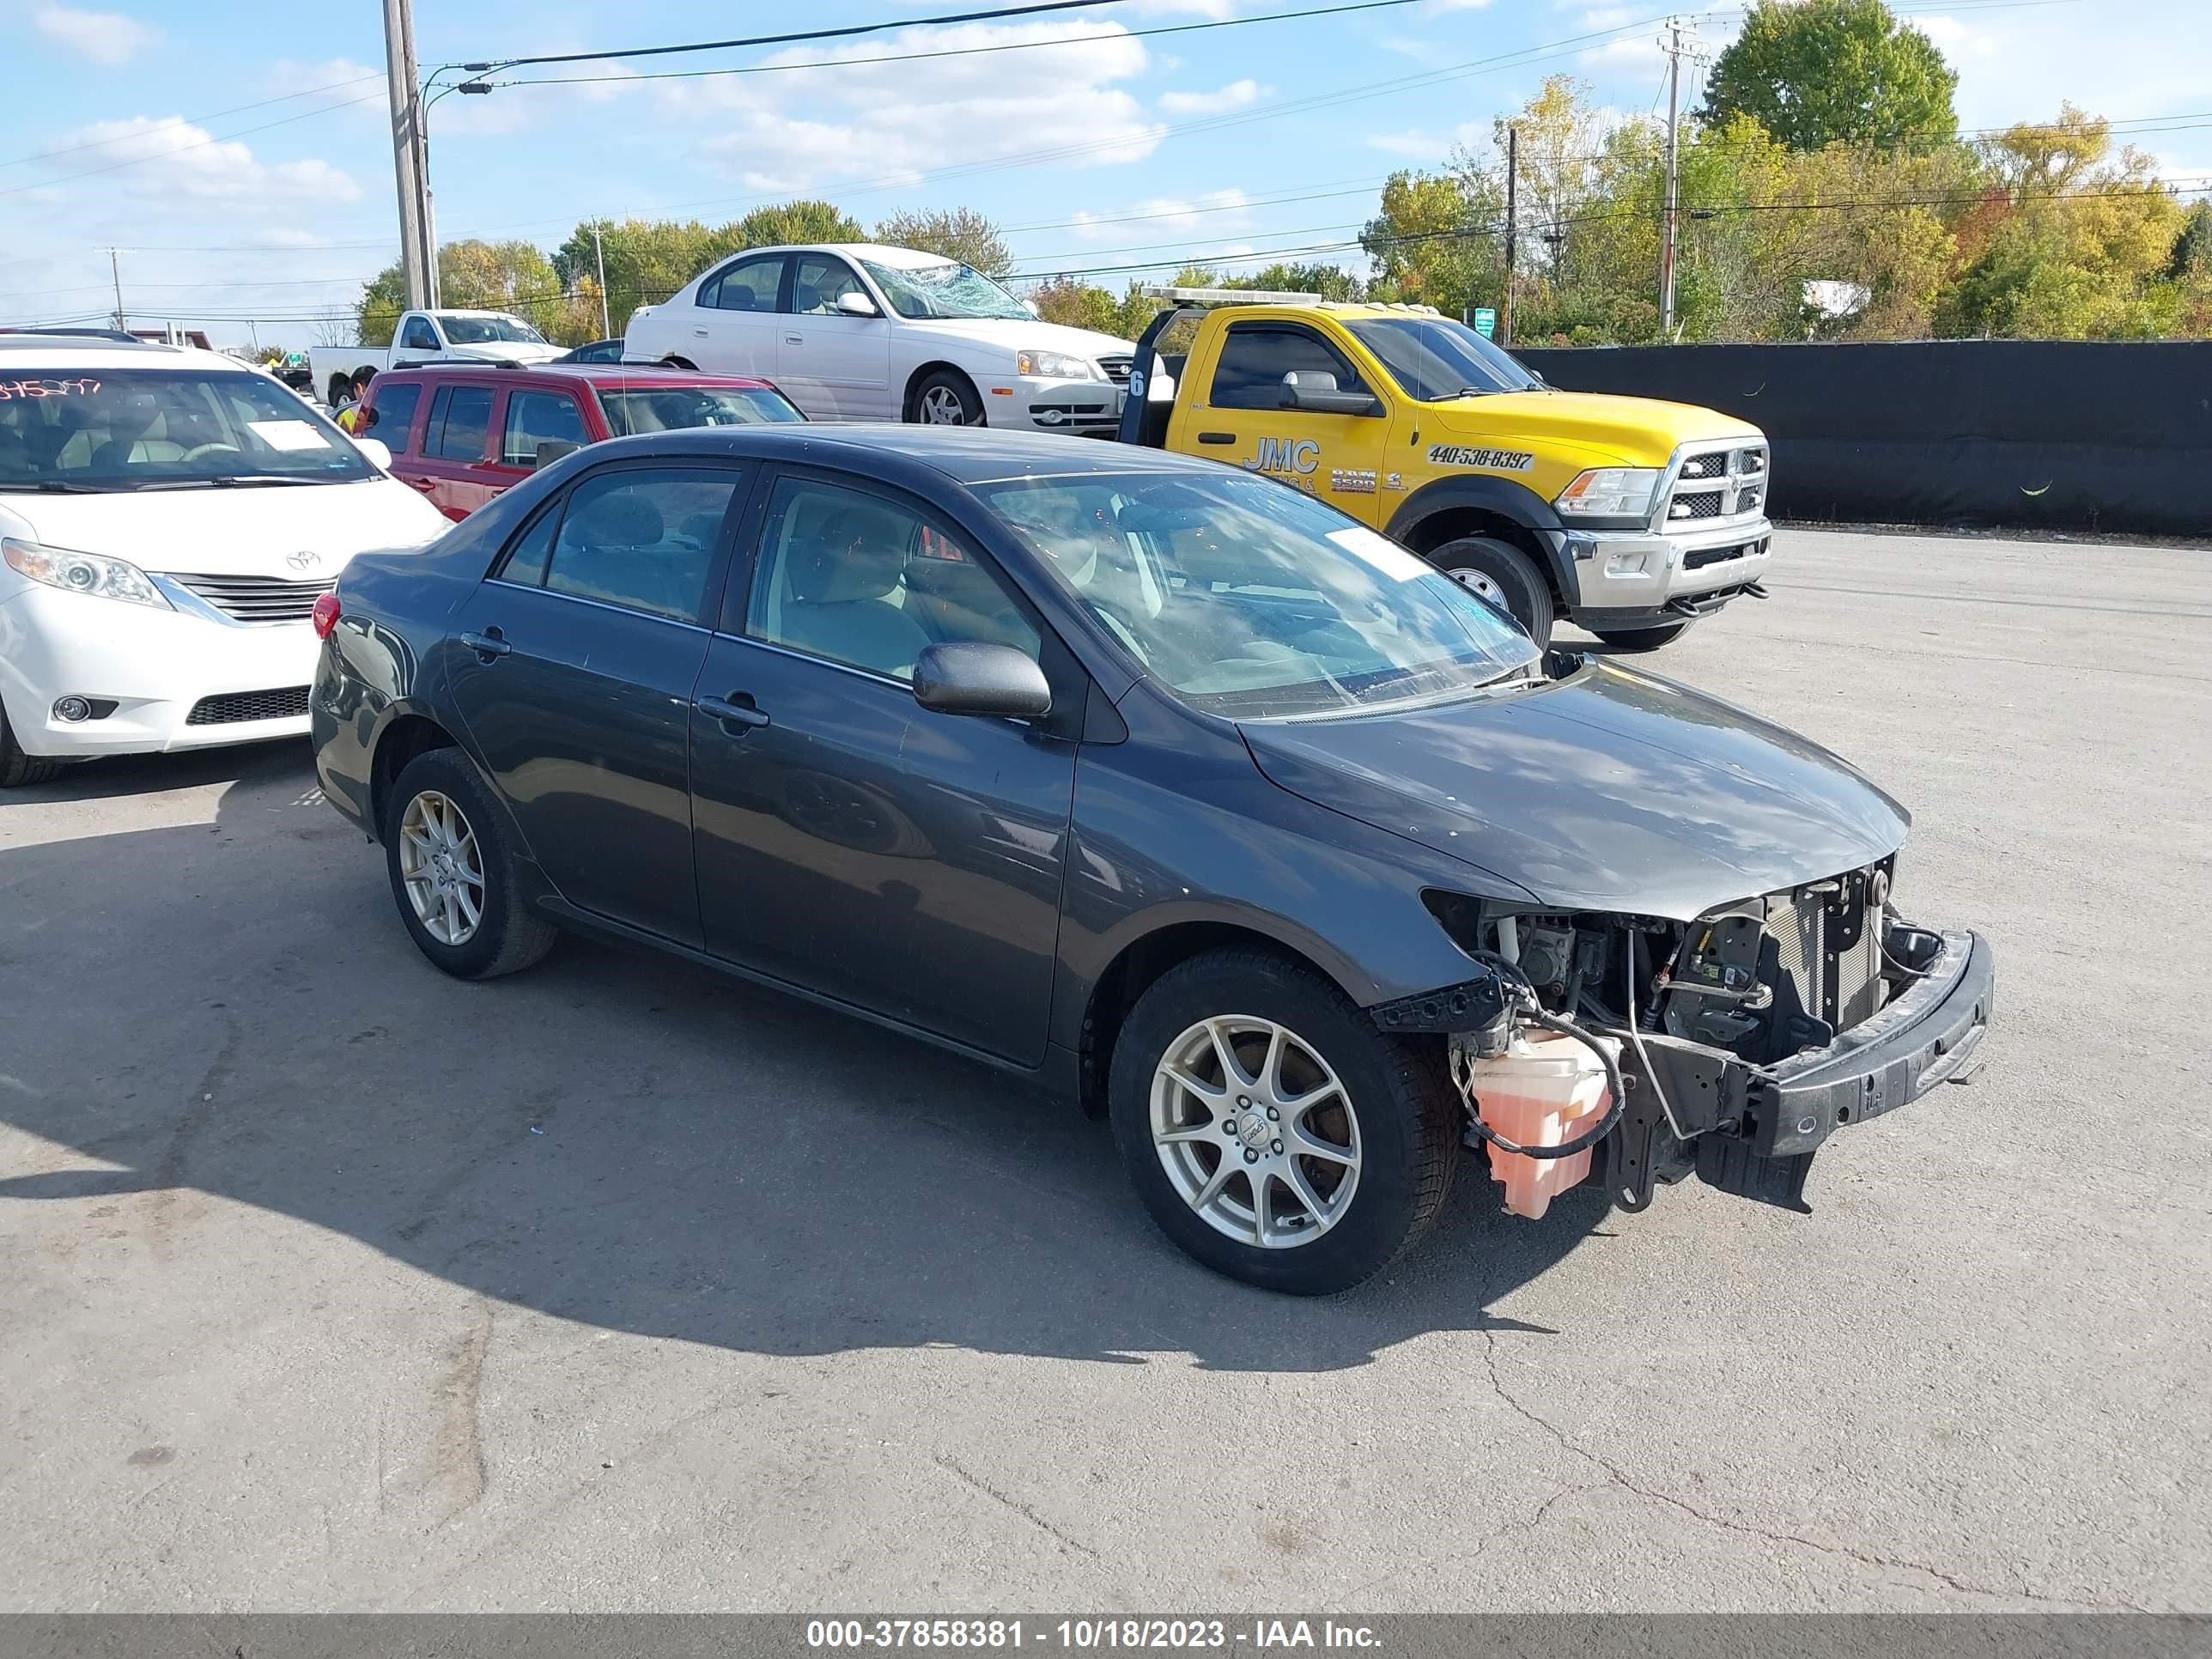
[[151, 126]]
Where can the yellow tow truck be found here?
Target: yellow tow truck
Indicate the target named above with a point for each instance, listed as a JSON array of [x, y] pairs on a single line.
[[1630, 517]]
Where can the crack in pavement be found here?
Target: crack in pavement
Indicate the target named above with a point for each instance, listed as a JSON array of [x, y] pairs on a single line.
[[1620, 1478], [1013, 1503]]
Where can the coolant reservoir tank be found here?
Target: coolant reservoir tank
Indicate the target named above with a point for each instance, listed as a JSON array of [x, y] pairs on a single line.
[[1545, 1089]]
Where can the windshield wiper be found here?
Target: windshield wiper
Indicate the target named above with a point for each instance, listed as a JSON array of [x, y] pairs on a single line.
[[221, 481], [51, 487]]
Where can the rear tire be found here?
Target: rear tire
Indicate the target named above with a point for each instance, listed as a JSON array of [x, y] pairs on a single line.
[[1504, 575], [945, 398], [1381, 1105], [1642, 639], [339, 388], [453, 874], [17, 769]]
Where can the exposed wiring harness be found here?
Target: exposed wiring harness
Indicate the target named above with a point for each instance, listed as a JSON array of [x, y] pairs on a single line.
[[1534, 1012]]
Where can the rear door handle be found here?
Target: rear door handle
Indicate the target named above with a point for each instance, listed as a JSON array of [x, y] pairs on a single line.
[[489, 644], [736, 712], [1216, 437], [700, 333]]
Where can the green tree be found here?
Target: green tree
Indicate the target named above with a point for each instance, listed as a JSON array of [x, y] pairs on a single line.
[[647, 260], [1330, 281], [959, 233], [472, 275], [1434, 240], [1819, 72], [798, 222]]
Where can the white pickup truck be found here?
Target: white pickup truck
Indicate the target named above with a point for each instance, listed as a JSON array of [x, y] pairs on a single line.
[[432, 336]]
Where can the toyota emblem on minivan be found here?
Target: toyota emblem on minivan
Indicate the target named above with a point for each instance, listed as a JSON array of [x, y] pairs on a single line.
[[303, 560]]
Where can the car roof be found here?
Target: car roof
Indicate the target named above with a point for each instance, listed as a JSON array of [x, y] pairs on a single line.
[[41, 351], [901, 259], [966, 455], [644, 376]]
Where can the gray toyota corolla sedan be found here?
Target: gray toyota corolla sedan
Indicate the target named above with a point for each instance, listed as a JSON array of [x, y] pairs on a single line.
[[1166, 782]]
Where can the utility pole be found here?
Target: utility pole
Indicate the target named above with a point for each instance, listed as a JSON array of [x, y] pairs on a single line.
[[1512, 227], [418, 252], [115, 269], [599, 253], [1674, 44]]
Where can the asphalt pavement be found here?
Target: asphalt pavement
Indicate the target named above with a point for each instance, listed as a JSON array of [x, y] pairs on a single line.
[[326, 1281]]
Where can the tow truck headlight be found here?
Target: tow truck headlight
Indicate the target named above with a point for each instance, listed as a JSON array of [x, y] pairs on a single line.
[[1610, 492], [88, 574], [1055, 366]]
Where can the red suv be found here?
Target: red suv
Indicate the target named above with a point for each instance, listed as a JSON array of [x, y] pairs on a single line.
[[461, 434]]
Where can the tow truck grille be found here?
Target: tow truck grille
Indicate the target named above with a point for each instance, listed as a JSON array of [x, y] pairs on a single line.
[[1717, 484]]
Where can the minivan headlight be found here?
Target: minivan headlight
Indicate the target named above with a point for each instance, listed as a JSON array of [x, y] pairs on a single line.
[[90, 574], [1610, 492], [1055, 366]]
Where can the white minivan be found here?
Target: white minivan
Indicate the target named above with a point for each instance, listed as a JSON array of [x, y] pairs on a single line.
[[168, 519], [858, 331]]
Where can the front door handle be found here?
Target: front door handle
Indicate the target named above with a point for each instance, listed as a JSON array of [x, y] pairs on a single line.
[[794, 339], [490, 644], [736, 712], [1216, 437], [426, 485]]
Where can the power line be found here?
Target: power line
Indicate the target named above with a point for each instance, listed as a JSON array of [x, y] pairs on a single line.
[[180, 150], [955, 52]]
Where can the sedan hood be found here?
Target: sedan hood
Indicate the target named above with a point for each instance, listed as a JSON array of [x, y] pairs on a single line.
[[1014, 334], [1606, 790], [253, 529]]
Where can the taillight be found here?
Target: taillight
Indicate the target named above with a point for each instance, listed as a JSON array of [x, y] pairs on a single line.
[[326, 615]]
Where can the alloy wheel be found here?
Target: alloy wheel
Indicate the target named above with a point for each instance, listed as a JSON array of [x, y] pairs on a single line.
[[442, 867], [941, 406], [1255, 1131]]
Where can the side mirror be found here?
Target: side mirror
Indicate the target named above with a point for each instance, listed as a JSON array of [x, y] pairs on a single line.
[[1315, 391], [550, 450], [376, 452], [856, 305], [972, 677]]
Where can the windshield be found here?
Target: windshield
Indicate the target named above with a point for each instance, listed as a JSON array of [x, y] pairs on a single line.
[[945, 291], [664, 409], [1434, 360], [485, 330], [111, 428], [1249, 599]]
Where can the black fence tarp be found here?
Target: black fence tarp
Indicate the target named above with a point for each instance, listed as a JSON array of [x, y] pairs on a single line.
[[2059, 434]]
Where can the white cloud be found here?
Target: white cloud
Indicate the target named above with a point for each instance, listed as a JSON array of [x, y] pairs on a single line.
[[338, 78], [106, 37], [1433, 148], [1236, 95], [1218, 210], [895, 120], [173, 158]]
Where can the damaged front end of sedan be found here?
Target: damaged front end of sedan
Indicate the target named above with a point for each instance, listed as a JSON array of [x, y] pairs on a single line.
[[1634, 1051]]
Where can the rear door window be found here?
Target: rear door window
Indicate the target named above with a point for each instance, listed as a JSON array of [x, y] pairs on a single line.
[[460, 422], [537, 417], [640, 537], [748, 285], [394, 409]]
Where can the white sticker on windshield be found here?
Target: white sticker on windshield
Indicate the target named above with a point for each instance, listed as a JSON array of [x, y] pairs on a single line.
[[289, 434], [1385, 555]]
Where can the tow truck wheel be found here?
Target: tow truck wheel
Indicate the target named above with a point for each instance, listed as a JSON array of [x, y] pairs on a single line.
[[1505, 575], [1272, 1130], [1642, 639]]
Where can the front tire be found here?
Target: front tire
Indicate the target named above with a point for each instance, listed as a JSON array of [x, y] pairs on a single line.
[[453, 874], [945, 399], [17, 769], [1505, 575], [1642, 639], [1271, 1130]]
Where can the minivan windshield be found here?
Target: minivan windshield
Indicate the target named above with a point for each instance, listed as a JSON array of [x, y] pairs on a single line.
[[945, 291], [486, 330], [1434, 359], [1249, 599], [115, 429]]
